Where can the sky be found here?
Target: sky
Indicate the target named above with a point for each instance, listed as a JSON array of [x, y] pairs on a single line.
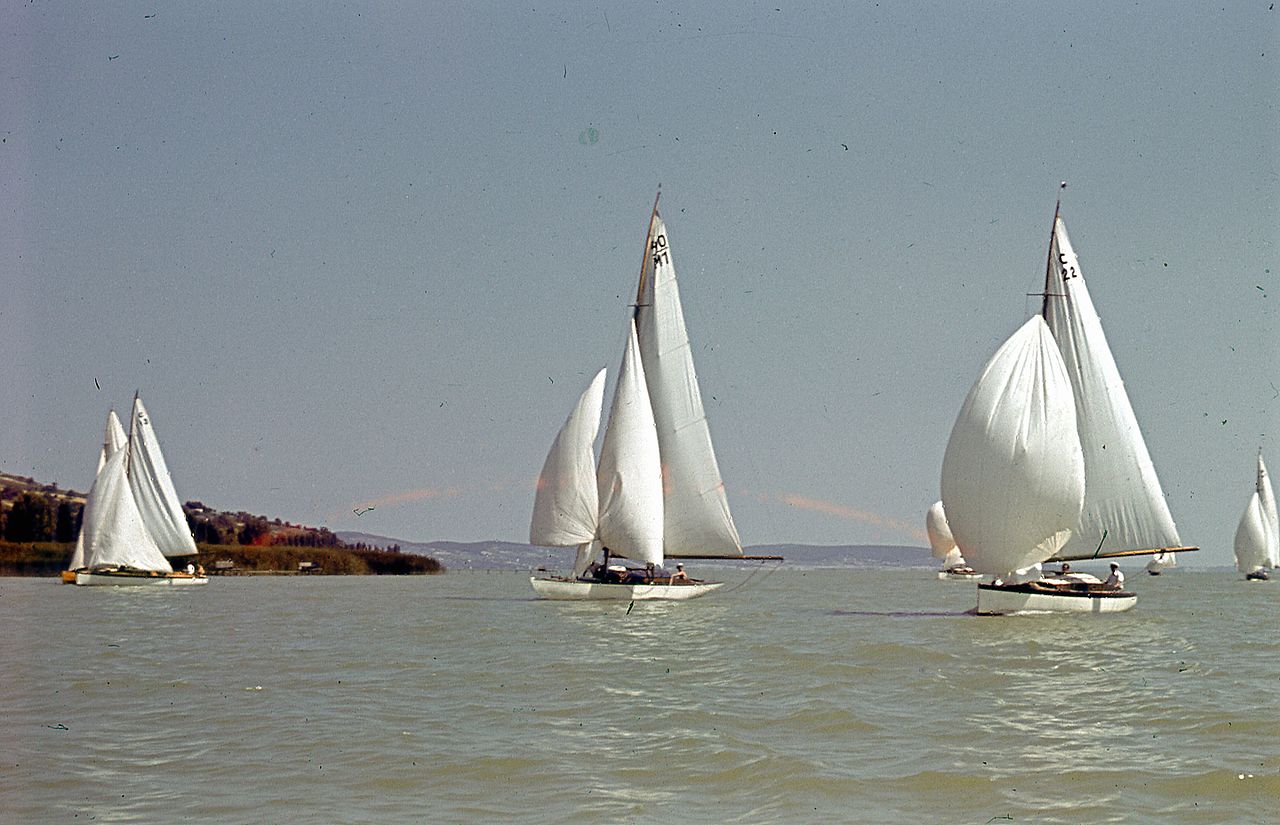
[[368, 255]]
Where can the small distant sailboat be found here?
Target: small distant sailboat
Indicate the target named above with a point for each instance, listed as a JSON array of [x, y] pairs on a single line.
[[132, 516], [943, 545], [656, 492], [1257, 539], [1122, 510]]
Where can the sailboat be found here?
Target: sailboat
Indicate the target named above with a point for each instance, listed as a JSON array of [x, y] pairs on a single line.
[[113, 439], [943, 546], [656, 491], [132, 518], [1257, 539], [1122, 512]]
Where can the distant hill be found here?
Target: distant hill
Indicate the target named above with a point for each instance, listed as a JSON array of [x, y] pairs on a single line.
[[507, 555]]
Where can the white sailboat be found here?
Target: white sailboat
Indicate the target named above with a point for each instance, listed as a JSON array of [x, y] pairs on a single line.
[[1124, 512], [153, 488], [943, 546], [132, 518], [1257, 540], [1003, 527], [657, 493], [113, 439], [1267, 499]]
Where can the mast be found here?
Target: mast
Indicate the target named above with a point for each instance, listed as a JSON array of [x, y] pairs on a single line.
[[644, 259], [133, 417], [1048, 266]]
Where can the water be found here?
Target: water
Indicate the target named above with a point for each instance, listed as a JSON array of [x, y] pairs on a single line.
[[806, 696]]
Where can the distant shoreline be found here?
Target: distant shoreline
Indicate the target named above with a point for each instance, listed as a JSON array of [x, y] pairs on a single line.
[[50, 558]]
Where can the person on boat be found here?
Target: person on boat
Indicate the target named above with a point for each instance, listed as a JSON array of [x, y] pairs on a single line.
[[1116, 580], [1066, 568], [191, 569], [679, 575]]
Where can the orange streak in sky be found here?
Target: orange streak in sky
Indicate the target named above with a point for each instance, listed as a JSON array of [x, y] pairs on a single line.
[[392, 499], [852, 514]]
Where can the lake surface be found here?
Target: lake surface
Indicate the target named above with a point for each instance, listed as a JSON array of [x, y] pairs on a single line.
[[804, 696]]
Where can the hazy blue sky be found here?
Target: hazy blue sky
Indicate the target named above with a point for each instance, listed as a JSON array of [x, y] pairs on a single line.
[[359, 255]]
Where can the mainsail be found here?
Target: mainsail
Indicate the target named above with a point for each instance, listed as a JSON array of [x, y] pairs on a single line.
[[113, 529], [630, 472], [113, 438], [567, 504], [696, 510], [153, 488], [1124, 506], [1013, 474], [1267, 508]]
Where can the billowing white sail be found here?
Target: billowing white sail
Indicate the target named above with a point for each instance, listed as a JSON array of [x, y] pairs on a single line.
[[113, 529], [1013, 472], [113, 438], [940, 539], [153, 488], [566, 506], [1251, 538], [1123, 497], [630, 473], [697, 517], [1267, 506]]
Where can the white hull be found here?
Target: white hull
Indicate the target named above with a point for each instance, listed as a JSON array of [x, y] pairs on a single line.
[[573, 589], [121, 579], [1003, 600]]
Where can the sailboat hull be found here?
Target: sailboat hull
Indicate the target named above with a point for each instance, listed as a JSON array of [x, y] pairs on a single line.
[[958, 575], [137, 578], [1031, 597], [566, 589]]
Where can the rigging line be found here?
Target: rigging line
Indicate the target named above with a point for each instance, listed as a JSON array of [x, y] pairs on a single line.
[[1048, 264], [771, 570]]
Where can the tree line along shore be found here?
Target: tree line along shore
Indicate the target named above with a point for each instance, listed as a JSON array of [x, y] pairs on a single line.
[[39, 524]]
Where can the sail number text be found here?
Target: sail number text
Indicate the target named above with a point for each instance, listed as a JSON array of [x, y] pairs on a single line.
[[1068, 268], [659, 248]]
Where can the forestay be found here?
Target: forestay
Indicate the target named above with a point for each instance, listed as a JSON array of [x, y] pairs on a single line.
[[697, 517], [630, 472], [1013, 473], [1123, 497], [567, 503], [153, 488], [113, 528], [113, 439]]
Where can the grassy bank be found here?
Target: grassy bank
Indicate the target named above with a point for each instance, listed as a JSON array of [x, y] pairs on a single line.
[[49, 558]]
